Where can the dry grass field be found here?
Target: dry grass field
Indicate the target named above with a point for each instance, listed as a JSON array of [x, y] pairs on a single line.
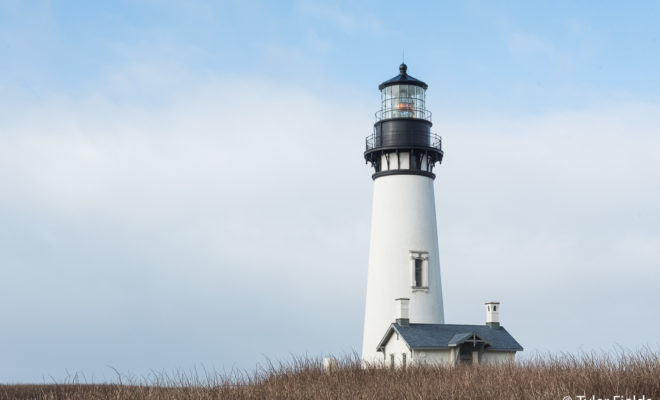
[[548, 377]]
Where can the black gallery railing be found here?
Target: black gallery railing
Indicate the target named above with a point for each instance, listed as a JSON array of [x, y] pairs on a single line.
[[432, 140]]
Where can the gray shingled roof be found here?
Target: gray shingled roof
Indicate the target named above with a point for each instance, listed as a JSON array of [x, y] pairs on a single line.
[[445, 336]]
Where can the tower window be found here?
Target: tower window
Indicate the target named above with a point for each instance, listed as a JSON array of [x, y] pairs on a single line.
[[494, 308], [419, 270], [418, 273]]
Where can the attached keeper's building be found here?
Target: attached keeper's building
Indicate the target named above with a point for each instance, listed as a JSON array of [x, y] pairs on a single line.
[[447, 344]]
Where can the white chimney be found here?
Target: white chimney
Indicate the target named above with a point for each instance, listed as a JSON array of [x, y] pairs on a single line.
[[493, 314], [402, 316]]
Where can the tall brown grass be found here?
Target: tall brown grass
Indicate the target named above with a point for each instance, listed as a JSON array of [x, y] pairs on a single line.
[[544, 377]]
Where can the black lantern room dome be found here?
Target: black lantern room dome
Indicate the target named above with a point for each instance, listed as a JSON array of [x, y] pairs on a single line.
[[402, 142], [403, 78]]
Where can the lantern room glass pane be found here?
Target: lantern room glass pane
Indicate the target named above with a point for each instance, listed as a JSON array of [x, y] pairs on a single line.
[[402, 104], [403, 101], [395, 101], [403, 91]]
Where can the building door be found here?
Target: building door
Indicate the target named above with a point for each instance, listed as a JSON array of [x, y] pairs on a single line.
[[465, 354]]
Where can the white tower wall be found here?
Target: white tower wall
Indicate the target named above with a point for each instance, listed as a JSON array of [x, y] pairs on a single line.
[[403, 227]]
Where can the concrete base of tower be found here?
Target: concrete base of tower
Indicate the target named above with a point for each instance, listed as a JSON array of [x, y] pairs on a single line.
[[403, 257]]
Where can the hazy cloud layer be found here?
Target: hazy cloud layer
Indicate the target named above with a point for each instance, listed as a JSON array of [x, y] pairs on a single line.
[[183, 184], [217, 229]]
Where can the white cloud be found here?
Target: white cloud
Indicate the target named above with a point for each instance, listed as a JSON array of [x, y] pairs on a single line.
[[219, 203], [230, 207], [556, 215]]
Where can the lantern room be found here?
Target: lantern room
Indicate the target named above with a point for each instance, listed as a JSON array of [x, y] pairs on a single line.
[[403, 97]]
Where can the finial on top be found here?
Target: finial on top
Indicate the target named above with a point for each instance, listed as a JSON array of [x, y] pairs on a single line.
[[403, 79]]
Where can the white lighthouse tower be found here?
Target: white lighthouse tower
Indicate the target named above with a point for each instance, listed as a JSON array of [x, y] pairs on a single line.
[[403, 254]]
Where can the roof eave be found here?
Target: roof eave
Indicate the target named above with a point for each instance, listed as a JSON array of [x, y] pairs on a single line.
[[386, 338], [506, 349], [408, 80], [431, 348], [453, 347]]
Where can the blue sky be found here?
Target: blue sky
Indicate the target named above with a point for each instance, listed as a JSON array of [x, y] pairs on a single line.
[[183, 182], [516, 52]]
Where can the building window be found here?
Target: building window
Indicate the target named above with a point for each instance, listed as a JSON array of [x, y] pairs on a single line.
[[391, 360], [419, 278], [494, 308], [403, 360]]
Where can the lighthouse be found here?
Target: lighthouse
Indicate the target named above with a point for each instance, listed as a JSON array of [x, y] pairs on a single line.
[[403, 252]]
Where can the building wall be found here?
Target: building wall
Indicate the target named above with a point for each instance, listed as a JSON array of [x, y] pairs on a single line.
[[446, 357], [497, 357], [449, 357], [403, 219], [397, 347], [442, 357]]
